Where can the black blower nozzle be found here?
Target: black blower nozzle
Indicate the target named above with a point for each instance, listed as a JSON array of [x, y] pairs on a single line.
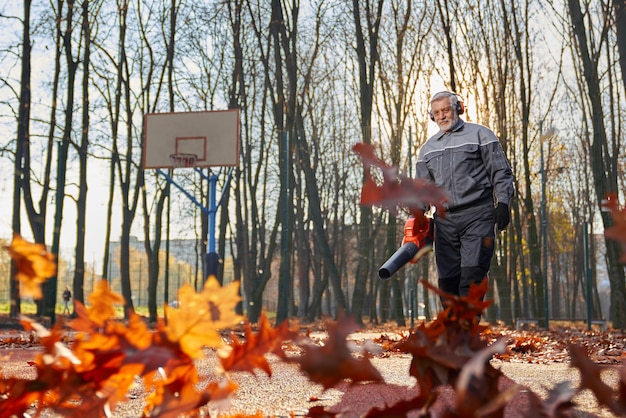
[[402, 256]]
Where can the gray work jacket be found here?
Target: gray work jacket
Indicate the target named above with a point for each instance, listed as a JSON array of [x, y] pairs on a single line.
[[469, 164]]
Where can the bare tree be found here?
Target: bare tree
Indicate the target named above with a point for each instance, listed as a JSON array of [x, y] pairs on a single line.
[[582, 206], [403, 46], [619, 9], [510, 63], [104, 67], [604, 154], [128, 164], [161, 193], [368, 59], [82, 149], [49, 288], [256, 244], [21, 146], [295, 120]]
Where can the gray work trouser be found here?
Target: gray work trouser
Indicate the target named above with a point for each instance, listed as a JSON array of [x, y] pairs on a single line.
[[464, 243]]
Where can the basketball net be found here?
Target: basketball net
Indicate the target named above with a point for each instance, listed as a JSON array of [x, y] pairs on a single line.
[[183, 160]]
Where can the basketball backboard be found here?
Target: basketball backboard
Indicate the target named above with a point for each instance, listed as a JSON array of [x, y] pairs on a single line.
[[213, 136]]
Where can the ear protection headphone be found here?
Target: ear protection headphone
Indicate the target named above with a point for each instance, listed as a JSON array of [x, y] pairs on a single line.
[[459, 106]]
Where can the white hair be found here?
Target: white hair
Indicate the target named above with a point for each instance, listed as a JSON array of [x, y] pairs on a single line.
[[454, 100]]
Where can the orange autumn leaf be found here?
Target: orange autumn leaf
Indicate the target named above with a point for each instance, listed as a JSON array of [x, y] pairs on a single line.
[[34, 265], [102, 300], [441, 348], [392, 190], [464, 310], [250, 354], [115, 387], [196, 323], [136, 332], [117, 342], [179, 389]]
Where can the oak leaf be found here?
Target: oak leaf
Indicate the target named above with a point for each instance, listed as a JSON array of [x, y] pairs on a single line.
[[441, 348], [200, 316], [590, 378], [466, 309], [174, 392], [34, 265], [17, 395], [477, 383], [102, 301], [333, 362], [250, 354], [108, 356], [384, 186]]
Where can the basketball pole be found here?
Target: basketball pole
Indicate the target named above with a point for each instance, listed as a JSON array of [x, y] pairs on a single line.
[[211, 258], [185, 192]]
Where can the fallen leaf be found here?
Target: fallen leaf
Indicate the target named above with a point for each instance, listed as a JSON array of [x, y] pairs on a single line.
[[590, 379], [333, 362], [250, 354]]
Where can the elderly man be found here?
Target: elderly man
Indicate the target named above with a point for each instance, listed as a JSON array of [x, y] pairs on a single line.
[[468, 162]]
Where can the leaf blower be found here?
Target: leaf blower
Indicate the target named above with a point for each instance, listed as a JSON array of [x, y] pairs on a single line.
[[417, 241]]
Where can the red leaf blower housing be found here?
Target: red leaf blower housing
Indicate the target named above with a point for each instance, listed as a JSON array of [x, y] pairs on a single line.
[[417, 241]]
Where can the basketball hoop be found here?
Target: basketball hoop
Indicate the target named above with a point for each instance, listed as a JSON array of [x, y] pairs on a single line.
[[183, 160]]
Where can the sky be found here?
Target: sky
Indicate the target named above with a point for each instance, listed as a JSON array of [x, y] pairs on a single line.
[[96, 215]]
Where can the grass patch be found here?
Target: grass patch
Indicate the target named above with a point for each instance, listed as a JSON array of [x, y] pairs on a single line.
[[27, 308], [30, 308]]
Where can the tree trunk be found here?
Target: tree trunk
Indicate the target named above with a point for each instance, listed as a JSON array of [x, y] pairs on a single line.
[[131, 172], [152, 248], [81, 202], [237, 96], [367, 71], [37, 215], [109, 212], [303, 267], [285, 142], [315, 212], [620, 26], [49, 288], [23, 136], [602, 165], [125, 268]]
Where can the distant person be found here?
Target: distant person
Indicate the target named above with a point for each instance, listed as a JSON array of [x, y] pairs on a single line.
[[67, 296], [467, 161]]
